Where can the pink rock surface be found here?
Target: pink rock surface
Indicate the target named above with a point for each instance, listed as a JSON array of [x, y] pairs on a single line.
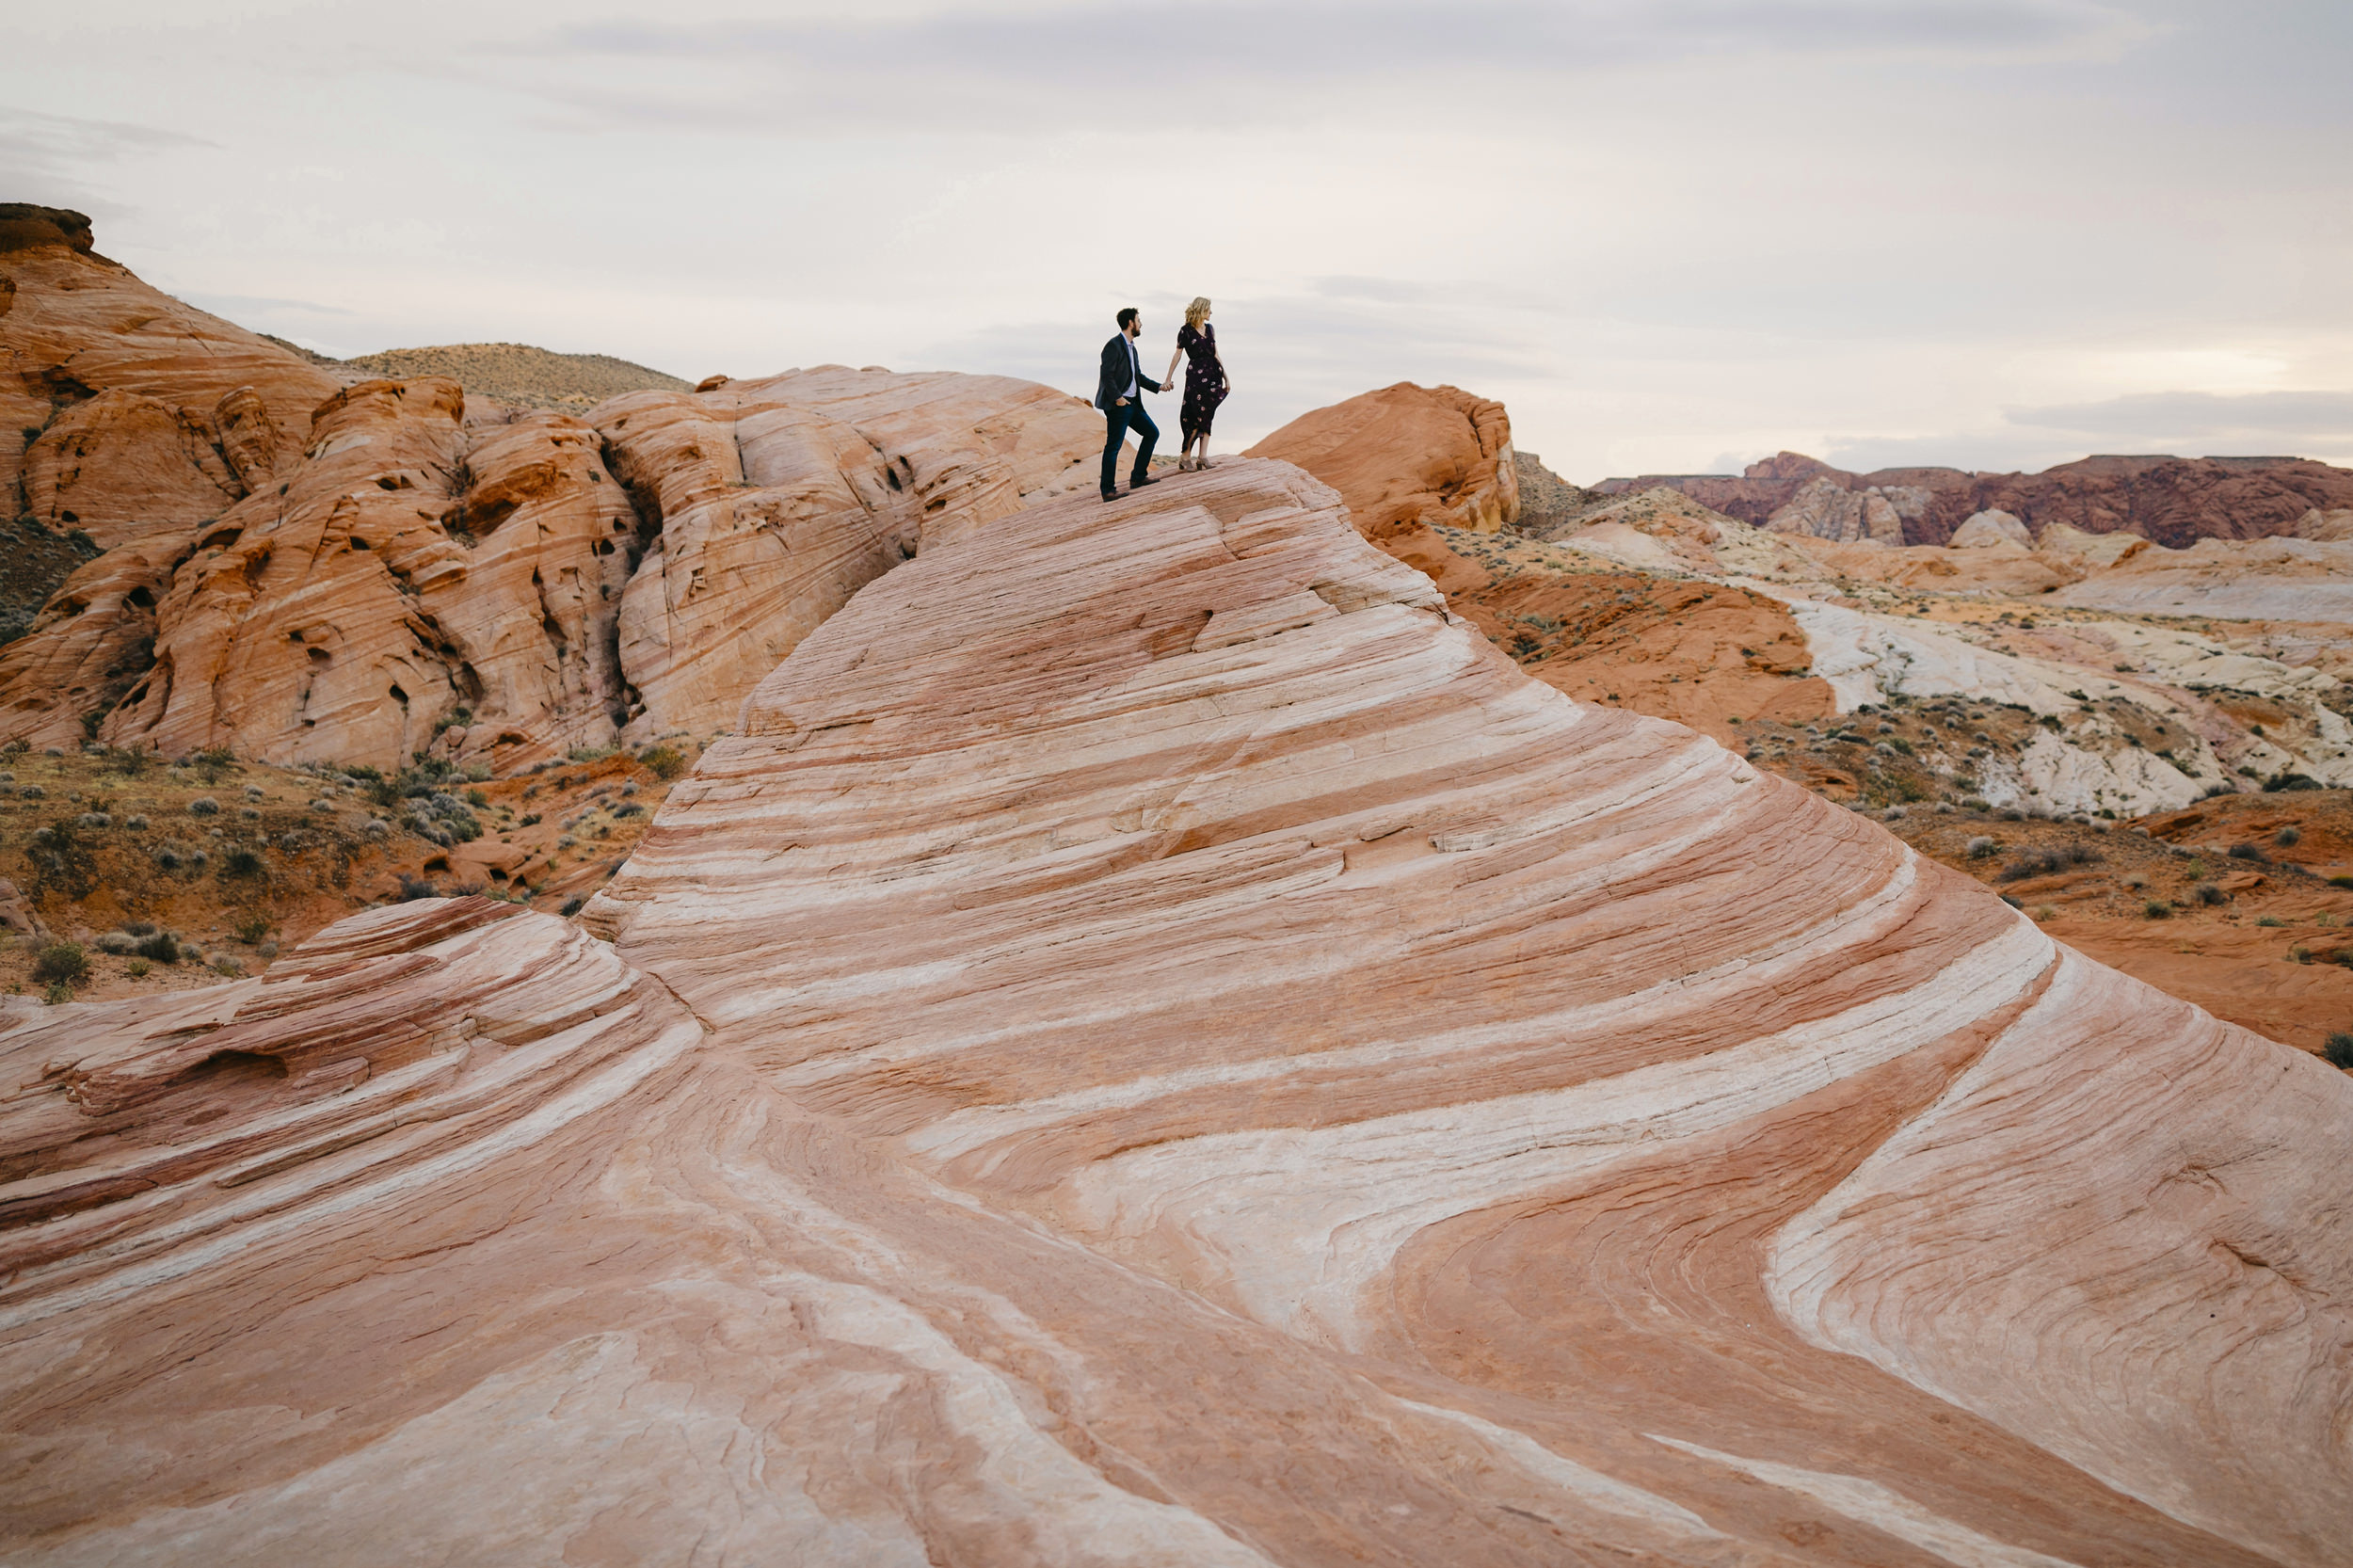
[[779, 498], [1159, 1045]]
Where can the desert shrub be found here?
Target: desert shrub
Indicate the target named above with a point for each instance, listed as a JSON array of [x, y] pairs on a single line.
[[254, 791], [476, 799], [227, 966], [94, 819], [118, 943], [1980, 847], [2338, 1052], [33, 792], [138, 969], [2299, 955], [322, 805], [267, 950], [2207, 894], [215, 763], [416, 887], [204, 806], [60, 992], [136, 824], [167, 858], [250, 814], [531, 821], [161, 946], [630, 808], [2158, 909], [572, 906], [443, 819], [2049, 863], [242, 861], [2246, 852], [2341, 882], [61, 964], [588, 753], [2137, 882], [2289, 837], [2269, 921], [252, 928], [2284, 782], [664, 761]]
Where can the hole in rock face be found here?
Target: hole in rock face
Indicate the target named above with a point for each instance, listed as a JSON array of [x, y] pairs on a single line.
[[143, 597], [228, 1068], [400, 697], [358, 543], [320, 658], [439, 863]]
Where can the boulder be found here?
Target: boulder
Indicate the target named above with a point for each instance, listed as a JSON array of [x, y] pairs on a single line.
[[1989, 529], [1409, 456], [121, 465]]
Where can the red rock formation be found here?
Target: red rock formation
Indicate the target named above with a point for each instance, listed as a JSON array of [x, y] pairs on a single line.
[[2173, 500], [429, 574], [124, 412], [779, 498], [1407, 455], [1186, 1056]]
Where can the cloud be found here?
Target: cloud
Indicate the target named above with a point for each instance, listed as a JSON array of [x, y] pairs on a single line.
[[65, 140], [2177, 417], [235, 305], [1219, 62]]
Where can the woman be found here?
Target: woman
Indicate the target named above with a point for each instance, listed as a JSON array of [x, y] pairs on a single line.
[[1206, 382]]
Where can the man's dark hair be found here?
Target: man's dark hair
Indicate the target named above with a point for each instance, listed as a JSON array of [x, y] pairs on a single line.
[[1126, 318]]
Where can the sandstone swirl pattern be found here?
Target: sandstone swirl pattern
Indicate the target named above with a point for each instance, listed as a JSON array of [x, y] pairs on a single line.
[[1155, 1045]]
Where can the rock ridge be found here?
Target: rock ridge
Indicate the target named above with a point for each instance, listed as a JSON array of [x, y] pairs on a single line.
[[1182, 1054]]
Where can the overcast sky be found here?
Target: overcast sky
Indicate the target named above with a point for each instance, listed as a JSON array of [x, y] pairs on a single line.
[[1670, 237]]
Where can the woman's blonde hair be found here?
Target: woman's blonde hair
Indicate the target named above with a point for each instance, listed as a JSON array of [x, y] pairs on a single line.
[[1196, 312]]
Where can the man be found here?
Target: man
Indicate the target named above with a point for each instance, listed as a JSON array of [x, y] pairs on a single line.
[[1119, 392]]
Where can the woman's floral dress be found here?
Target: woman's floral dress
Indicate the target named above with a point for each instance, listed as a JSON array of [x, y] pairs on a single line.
[[1204, 379]]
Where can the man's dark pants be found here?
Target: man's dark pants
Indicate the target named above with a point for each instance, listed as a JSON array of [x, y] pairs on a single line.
[[1119, 421]]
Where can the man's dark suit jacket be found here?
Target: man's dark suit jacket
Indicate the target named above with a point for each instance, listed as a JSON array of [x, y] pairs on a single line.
[[1112, 385]]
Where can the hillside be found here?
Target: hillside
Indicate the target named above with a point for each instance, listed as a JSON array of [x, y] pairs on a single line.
[[519, 374]]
